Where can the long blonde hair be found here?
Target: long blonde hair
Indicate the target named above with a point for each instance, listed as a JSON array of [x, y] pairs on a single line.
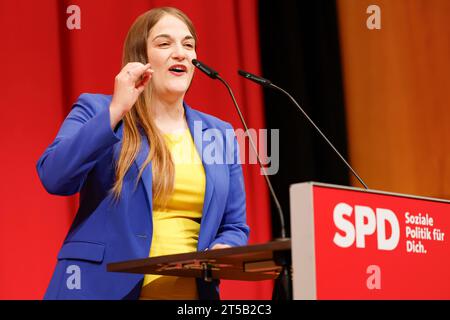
[[163, 170]]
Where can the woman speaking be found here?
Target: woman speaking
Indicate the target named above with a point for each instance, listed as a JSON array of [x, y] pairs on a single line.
[[145, 186]]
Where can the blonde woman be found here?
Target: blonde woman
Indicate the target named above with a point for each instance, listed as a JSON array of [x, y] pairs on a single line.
[[145, 186]]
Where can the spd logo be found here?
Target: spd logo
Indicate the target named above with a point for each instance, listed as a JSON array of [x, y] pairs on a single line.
[[355, 224]]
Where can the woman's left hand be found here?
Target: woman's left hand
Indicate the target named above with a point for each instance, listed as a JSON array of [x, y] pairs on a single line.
[[220, 246]]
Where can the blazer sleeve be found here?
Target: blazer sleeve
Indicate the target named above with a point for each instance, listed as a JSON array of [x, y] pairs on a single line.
[[84, 136], [233, 229]]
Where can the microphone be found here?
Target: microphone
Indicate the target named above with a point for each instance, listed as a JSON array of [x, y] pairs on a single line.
[[269, 84], [207, 70], [252, 77], [215, 75]]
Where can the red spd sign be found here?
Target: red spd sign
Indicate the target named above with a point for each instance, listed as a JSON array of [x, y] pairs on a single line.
[[372, 245]]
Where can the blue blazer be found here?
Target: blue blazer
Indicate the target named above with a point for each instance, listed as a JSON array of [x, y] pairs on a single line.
[[82, 158]]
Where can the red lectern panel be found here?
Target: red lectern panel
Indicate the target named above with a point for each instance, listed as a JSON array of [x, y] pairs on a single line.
[[349, 243]]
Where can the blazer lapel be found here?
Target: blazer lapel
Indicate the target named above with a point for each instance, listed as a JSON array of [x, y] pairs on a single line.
[[197, 126]]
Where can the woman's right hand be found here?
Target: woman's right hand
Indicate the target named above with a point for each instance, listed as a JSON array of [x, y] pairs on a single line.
[[128, 85]]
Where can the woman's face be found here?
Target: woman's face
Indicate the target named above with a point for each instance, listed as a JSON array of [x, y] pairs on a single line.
[[170, 50]]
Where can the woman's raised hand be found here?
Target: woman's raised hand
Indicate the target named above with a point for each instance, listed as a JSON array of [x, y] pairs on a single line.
[[128, 85]]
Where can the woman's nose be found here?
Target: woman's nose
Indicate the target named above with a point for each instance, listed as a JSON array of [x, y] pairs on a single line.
[[178, 52]]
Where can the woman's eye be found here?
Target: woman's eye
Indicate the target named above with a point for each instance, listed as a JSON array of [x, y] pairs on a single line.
[[163, 44], [189, 45]]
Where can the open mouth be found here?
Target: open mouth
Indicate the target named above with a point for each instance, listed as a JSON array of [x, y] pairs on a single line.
[[178, 69]]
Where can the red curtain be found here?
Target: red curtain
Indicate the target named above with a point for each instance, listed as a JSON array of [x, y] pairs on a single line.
[[45, 67]]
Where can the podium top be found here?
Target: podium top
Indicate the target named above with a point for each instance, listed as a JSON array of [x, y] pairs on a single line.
[[247, 263], [388, 193]]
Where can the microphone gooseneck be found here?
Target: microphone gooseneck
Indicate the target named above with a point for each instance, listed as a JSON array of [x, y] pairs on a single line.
[[269, 84], [215, 75]]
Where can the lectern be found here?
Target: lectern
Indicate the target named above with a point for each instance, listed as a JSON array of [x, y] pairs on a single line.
[[346, 243], [246, 263], [351, 243]]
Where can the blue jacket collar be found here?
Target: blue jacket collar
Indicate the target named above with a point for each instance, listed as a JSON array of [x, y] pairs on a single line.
[[192, 116]]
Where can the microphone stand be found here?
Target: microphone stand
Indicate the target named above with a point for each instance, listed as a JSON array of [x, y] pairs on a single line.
[[269, 184], [286, 286], [269, 84], [283, 284]]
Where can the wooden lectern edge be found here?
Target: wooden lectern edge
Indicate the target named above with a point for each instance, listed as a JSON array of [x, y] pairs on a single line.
[[202, 256]]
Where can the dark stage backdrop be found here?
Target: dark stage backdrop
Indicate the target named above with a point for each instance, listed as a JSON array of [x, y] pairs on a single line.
[[300, 53], [46, 66]]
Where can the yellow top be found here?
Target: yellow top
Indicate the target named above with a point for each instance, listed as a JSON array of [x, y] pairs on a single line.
[[176, 228]]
